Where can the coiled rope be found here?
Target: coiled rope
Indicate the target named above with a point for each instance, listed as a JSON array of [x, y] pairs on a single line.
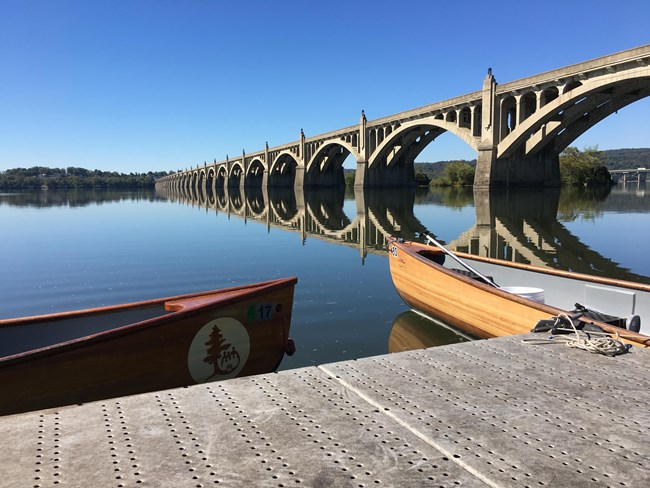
[[607, 345]]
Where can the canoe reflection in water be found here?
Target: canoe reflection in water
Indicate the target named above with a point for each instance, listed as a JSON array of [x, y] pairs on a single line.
[[412, 331]]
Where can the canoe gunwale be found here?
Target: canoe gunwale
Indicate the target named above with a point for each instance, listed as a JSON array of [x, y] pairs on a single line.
[[601, 280], [263, 285], [220, 298]]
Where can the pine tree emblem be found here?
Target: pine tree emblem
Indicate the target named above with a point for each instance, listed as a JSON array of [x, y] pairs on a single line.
[[220, 354]]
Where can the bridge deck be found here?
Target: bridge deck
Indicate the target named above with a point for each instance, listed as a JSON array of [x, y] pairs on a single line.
[[485, 413]]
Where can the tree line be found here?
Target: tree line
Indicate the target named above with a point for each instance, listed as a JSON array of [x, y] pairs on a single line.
[[38, 177]]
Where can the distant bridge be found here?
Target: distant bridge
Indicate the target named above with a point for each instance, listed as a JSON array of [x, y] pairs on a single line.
[[634, 174], [518, 130]]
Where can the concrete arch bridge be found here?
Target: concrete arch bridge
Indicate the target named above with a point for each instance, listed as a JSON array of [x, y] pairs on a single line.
[[518, 129]]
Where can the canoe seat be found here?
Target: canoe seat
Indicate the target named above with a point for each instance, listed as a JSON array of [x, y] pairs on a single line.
[[437, 257]]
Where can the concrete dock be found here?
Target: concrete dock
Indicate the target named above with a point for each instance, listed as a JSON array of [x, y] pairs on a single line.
[[484, 413]]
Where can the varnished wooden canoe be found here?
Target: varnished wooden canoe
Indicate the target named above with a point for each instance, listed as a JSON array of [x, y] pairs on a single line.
[[429, 283], [75, 357]]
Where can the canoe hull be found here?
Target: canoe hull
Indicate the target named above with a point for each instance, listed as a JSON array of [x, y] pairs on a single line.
[[466, 304], [458, 301], [239, 332]]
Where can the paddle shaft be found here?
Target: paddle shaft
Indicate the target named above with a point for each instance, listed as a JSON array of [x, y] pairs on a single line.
[[460, 261]]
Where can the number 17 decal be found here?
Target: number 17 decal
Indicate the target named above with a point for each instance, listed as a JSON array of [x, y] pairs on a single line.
[[262, 311]]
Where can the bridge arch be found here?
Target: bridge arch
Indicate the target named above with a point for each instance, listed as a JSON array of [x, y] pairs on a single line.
[[572, 84], [420, 133], [508, 115], [282, 171], [254, 177], [201, 177], [236, 175], [465, 118], [201, 185], [222, 177], [325, 168], [393, 159], [211, 177], [528, 105], [548, 95], [563, 118]]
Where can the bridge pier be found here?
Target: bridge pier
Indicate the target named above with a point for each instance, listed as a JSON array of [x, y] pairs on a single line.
[[360, 174], [382, 176], [541, 170], [332, 177], [299, 179]]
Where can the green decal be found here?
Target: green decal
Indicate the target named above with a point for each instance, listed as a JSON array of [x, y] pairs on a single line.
[[263, 311]]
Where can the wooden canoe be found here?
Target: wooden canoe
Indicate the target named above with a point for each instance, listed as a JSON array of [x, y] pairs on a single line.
[[75, 357], [483, 311]]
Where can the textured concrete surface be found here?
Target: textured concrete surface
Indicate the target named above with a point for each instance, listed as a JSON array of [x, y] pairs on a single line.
[[484, 413]]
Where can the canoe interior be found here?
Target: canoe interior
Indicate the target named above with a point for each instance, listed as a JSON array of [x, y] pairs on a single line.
[[563, 293], [23, 337]]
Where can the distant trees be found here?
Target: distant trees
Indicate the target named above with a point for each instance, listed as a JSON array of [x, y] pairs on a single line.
[[456, 173], [38, 177], [421, 179], [626, 158], [583, 168]]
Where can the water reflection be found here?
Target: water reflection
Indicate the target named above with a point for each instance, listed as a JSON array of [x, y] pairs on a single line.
[[74, 198], [412, 331], [524, 226], [317, 213], [518, 225]]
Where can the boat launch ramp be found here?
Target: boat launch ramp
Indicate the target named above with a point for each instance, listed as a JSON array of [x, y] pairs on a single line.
[[495, 412]]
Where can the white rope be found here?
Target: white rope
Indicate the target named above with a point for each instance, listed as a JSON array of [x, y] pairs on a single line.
[[607, 345]]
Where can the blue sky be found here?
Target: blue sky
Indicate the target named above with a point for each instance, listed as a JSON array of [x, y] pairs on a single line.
[[139, 85]]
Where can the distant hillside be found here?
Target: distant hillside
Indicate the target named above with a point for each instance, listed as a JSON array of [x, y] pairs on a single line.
[[627, 158]]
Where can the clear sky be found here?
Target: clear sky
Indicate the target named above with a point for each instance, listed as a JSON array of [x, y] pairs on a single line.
[[158, 85]]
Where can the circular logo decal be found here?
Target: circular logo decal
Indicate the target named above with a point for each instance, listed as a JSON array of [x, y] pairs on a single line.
[[218, 351]]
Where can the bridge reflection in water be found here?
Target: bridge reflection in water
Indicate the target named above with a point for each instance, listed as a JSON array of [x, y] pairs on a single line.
[[521, 226], [317, 213]]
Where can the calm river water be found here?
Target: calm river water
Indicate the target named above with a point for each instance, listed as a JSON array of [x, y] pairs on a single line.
[[65, 251]]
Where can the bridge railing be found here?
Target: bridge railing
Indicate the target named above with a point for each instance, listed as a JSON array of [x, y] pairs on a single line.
[[622, 57]]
